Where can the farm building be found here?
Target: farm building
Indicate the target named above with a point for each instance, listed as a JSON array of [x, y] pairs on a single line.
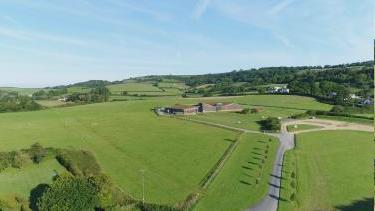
[[202, 108], [206, 107], [228, 107], [182, 109]]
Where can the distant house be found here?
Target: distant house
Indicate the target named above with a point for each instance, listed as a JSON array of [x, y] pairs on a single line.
[[279, 90], [354, 96], [367, 102]]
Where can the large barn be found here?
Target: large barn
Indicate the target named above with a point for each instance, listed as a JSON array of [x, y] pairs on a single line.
[[202, 108], [182, 109]]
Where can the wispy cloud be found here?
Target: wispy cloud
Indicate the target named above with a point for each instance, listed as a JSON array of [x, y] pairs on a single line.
[[31, 35], [200, 8], [279, 7]]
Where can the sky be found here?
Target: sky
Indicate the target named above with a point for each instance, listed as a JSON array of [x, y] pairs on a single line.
[[54, 42]]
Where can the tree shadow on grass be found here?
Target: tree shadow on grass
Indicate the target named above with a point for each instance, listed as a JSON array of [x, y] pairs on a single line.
[[247, 167], [244, 182], [363, 204], [35, 194], [229, 140], [257, 153]]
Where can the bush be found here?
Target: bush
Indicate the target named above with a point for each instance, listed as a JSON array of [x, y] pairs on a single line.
[[37, 153], [293, 197], [69, 193], [271, 123], [338, 109], [293, 175], [293, 184], [245, 111], [256, 110]]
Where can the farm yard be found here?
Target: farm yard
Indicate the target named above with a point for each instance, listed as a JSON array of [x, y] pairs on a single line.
[[329, 170]]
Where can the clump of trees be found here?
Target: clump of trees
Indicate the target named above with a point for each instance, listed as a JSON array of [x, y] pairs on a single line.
[[47, 94], [96, 95], [17, 159], [271, 124], [13, 102]]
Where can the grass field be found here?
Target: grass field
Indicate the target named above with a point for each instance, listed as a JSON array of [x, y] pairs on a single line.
[[50, 103], [235, 187], [20, 181], [292, 128], [21, 91], [334, 171], [133, 87], [126, 137]]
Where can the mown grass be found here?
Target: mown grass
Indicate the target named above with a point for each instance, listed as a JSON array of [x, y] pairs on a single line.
[[334, 171], [125, 137], [299, 127], [236, 188]]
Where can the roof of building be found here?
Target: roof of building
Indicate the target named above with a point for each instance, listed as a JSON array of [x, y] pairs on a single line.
[[180, 106]]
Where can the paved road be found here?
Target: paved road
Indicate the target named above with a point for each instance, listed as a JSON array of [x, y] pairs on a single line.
[[270, 202]]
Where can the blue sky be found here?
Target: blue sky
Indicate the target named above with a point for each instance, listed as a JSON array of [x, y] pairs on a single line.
[[52, 42]]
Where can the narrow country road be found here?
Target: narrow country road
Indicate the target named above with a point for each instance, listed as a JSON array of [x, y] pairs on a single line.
[[270, 201]]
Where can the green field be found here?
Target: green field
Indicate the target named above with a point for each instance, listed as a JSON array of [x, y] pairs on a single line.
[[334, 171], [20, 181], [126, 137], [21, 91], [293, 128], [133, 87], [235, 187]]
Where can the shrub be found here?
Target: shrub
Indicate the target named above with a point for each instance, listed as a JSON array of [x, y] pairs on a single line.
[[37, 153], [293, 184], [338, 109], [256, 110], [69, 193], [293, 197], [271, 123], [293, 175], [245, 111]]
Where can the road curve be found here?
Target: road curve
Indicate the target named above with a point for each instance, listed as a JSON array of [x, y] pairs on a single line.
[[270, 201]]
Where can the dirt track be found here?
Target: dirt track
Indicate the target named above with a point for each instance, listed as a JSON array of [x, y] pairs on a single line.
[[328, 125]]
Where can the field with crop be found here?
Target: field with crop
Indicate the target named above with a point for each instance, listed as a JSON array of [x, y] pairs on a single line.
[[332, 171], [126, 137], [236, 187]]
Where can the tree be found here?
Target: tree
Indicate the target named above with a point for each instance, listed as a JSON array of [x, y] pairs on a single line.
[[69, 193], [245, 111], [37, 152], [271, 123]]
